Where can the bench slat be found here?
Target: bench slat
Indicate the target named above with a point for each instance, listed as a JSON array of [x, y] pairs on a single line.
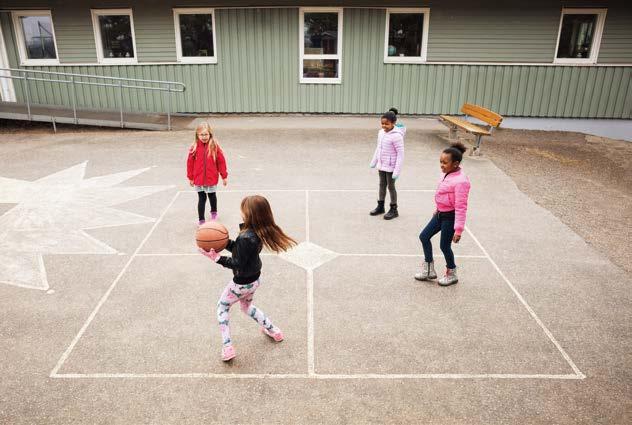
[[478, 112], [465, 125]]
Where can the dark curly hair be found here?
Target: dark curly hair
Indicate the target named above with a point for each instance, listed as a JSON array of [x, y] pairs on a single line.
[[456, 151]]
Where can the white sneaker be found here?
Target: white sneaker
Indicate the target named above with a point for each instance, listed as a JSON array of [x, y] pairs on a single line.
[[450, 278], [427, 272]]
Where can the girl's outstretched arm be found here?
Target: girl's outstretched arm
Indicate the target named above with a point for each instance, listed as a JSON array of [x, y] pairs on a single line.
[[244, 250]]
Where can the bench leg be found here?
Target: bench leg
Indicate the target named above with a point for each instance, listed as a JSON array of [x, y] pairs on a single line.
[[477, 148], [452, 133]]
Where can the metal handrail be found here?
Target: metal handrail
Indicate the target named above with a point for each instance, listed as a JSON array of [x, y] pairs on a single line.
[[170, 87]]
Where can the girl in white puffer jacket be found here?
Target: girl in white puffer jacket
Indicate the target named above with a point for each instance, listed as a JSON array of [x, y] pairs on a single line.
[[388, 158]]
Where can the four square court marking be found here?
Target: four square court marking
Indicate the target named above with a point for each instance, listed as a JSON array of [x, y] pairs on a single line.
[[310, 256]]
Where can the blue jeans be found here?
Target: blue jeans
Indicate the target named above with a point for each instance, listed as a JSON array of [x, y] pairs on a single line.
[[437, 224]]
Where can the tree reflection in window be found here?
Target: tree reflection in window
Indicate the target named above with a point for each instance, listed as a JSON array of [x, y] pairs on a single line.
[[38, 37]]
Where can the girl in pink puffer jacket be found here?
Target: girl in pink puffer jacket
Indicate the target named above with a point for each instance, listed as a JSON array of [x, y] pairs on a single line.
[[388, 158], [449, 217]]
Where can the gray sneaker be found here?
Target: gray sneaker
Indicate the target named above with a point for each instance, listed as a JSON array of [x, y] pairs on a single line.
[[450, 278], [427, 272]]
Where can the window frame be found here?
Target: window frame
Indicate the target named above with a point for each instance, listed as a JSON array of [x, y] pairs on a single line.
[[95, 13], [596, 43], [301, 43], [19, 34], [424, 37], [194, 11]]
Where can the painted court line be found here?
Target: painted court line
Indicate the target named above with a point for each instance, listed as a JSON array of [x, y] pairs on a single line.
[[105, 296], [310, 318], [270, 254], [308, 190], [365, 376], [529, 309]]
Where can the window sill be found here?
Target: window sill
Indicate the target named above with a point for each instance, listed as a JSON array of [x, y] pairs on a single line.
[[118, 62], [409, 59], [320, 81], [204, 60], [567, 61], [39, 62]]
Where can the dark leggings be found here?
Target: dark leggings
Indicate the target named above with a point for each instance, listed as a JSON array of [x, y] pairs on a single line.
[[446, 227], [386, 179], [212, 197]]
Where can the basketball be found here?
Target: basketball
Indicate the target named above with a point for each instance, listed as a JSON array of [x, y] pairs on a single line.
[[212, 235]]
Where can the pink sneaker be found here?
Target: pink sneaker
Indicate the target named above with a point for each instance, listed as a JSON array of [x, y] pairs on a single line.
[[277, 336], [228, 353], [213, 215], [201, 222]]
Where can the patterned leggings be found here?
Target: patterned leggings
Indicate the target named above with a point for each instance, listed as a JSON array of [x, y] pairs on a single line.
[[242, 293]]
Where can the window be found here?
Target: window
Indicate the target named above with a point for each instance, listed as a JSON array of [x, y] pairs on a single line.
[[114, 35], [406, 38], [580, 35], [320, 44], [36, 37], [195, 35]]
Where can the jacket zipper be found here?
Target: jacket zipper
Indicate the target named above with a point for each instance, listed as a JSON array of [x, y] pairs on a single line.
[[205, 154]]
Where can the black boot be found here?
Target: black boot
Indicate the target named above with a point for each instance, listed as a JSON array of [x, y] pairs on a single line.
[[392, 213], [379, 209]]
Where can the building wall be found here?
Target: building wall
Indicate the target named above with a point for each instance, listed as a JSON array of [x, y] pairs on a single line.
[[258, 62]]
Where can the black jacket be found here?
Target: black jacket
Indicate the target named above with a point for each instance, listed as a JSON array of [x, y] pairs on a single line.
[[245, 262]]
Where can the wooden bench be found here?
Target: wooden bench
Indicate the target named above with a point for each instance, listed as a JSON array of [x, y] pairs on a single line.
[[454, 123]]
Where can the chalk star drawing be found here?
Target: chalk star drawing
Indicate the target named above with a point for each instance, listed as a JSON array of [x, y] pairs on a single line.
[[51, 217]]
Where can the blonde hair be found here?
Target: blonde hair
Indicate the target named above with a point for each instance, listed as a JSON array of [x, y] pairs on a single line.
[[212, 143], [258, 217]]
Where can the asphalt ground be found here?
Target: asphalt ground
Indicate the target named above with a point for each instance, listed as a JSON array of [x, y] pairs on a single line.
[[108, 311]]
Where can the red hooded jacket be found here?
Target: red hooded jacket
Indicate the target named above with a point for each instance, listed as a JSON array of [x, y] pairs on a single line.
[[202, 169]]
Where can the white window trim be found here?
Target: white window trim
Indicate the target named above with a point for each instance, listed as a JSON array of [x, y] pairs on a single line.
[[97, 36], [19, 33], [301, 43], [594, 50], [194, 11], [424, 37]]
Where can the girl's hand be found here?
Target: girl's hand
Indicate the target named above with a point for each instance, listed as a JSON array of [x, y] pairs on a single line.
[[225, 181], [190, 182], [456, 238], [395, 178], [211, 255]]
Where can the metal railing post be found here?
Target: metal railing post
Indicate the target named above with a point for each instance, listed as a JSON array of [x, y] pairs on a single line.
[[74, 99], [121, 101], [169, 107], [28, 94]]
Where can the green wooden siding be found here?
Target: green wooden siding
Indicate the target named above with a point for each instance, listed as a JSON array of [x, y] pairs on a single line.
[[460, 30], [258, 71], [616, 44]]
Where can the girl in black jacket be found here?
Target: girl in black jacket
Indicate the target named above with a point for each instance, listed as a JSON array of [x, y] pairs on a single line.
[[257, 230]]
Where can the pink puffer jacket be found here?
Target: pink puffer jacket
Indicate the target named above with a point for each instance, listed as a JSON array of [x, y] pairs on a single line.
[[451, 195], [389, 153]]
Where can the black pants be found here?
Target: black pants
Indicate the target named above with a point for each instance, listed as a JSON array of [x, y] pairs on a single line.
[[212, 198], [386, 179]]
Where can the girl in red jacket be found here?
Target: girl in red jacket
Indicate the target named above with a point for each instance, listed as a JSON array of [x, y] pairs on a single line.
[[205, 164]]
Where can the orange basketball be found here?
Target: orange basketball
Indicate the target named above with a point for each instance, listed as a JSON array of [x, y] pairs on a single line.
[[212, 235]]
